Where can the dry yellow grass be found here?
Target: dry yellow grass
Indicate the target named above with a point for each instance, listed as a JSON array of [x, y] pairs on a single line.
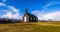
[[46, 24], [31, 27]]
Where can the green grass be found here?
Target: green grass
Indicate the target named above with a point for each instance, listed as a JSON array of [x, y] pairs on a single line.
[[31, 27]]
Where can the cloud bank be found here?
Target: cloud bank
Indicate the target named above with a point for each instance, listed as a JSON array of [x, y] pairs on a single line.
[[11, 12], [53, 16]]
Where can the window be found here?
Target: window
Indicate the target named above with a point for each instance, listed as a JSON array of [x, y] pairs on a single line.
[[31, 18], [34, 18]]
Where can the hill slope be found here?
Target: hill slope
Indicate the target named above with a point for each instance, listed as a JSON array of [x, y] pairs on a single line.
[[31, 27]]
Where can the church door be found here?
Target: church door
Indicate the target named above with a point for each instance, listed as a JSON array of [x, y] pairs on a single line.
[[25, 19]]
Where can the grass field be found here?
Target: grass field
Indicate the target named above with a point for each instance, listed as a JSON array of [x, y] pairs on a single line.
[[31, 27]]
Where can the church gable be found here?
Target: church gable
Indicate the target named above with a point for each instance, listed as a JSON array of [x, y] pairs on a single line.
[[26, 18]]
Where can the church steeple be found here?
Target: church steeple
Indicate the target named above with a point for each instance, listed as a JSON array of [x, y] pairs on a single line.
[[26, 11]]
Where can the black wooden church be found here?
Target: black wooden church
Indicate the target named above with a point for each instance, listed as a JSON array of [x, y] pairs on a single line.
[[29, 17]]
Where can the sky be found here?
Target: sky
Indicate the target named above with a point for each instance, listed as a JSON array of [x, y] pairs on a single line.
[[43, 9]]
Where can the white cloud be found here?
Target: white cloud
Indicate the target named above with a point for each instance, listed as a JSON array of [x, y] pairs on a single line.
[[49, 4], [12, 16], [10, 13], [54, 16], [2, 4], [4, 0], [13, 9]]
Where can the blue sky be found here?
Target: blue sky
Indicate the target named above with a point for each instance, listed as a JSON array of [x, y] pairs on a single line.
[[44, 8]]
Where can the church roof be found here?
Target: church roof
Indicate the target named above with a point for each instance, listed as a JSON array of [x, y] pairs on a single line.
[[31, 15]]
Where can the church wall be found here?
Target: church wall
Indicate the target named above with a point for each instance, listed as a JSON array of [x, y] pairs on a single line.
[[27, 18]]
